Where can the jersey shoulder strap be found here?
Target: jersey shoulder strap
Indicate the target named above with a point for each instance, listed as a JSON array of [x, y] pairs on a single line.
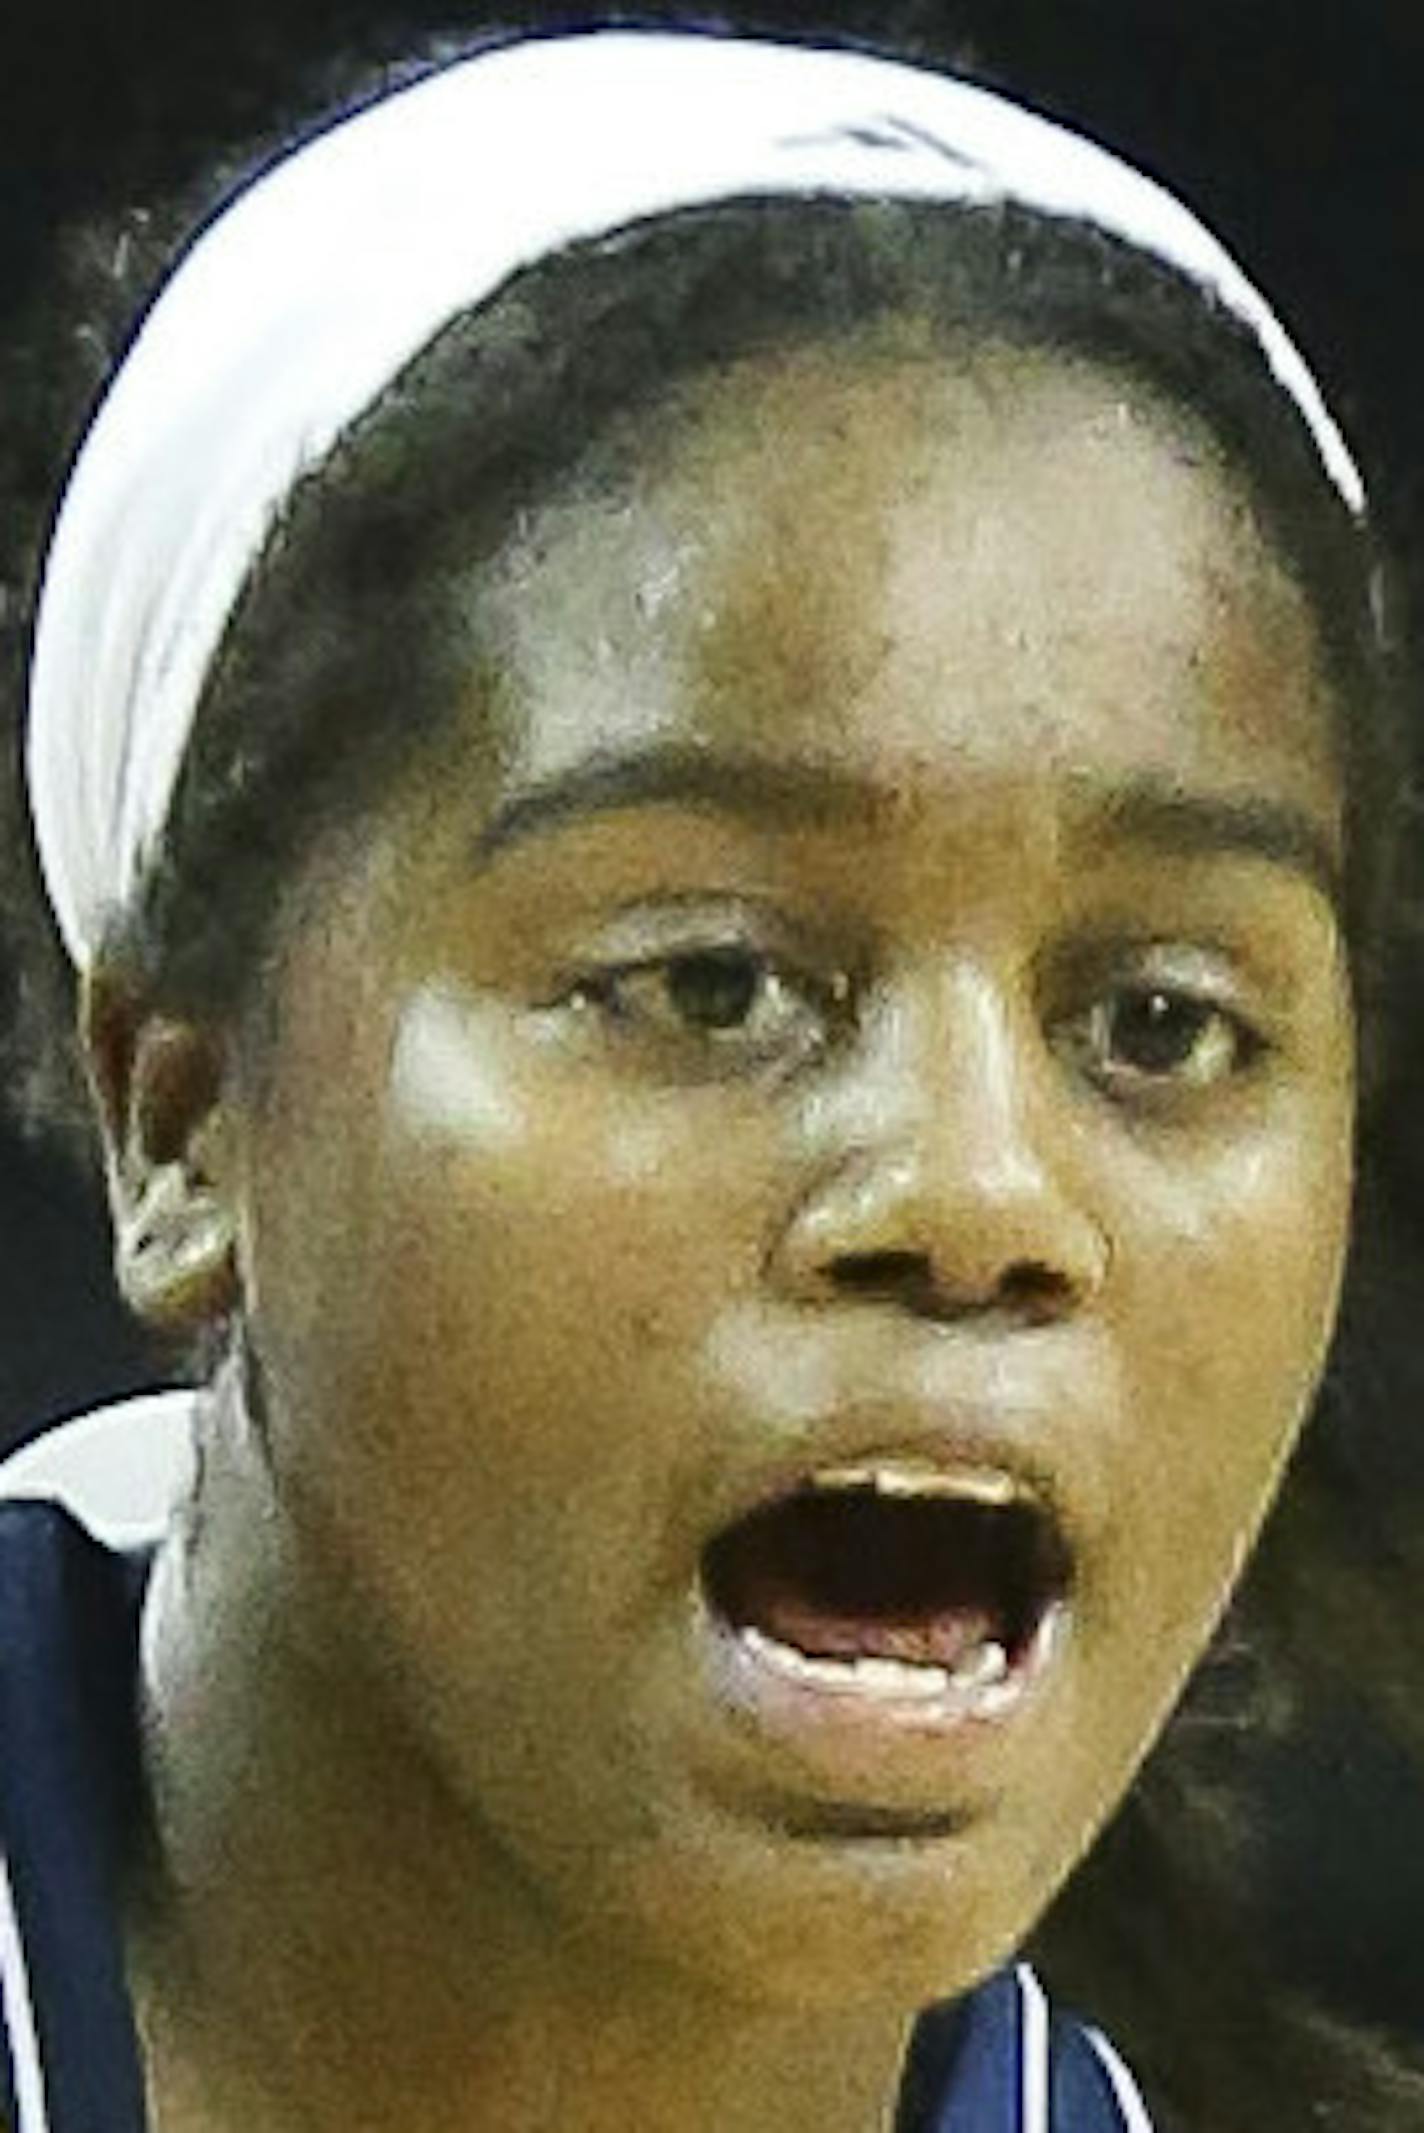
[[1004, 2061], [70, 1808]]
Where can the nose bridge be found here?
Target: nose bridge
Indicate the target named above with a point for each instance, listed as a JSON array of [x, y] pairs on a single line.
[[944, 1086], [969, 1084], [943, 1172]]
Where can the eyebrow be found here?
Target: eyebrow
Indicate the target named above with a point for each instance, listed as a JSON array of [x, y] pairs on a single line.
[[753, 788], [1152, 811], [1168, 817]]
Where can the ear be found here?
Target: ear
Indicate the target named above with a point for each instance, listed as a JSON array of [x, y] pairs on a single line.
[[157, 1084]]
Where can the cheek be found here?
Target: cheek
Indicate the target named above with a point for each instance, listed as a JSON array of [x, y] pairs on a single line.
[[520, 1263], [1226, 1294], [488, 1382], [587, 1207]]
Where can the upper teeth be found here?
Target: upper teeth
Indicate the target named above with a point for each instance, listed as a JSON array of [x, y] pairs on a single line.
[[909, 1479]]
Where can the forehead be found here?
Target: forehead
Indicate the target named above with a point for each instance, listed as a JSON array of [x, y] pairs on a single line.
[[930, 566]]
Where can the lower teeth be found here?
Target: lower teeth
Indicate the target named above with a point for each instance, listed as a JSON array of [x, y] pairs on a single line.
[[984, 1666]]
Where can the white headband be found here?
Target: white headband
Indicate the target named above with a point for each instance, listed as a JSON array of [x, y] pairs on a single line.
[[307, 296]]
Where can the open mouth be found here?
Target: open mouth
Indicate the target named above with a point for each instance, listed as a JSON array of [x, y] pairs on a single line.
[[895, 1583]]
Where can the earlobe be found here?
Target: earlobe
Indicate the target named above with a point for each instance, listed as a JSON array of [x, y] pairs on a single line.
[[157, 1084], [174, 1249]]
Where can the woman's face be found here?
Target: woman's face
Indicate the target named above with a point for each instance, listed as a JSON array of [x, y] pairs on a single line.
[[855, 1032]]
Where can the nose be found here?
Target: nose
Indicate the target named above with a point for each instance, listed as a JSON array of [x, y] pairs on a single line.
[[942, 1173]]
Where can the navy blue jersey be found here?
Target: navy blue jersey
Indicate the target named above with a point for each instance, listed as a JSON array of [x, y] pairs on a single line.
[[72, 1821]]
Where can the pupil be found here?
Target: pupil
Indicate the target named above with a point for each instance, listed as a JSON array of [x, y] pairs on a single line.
[[1154, 1031], [713, 991]]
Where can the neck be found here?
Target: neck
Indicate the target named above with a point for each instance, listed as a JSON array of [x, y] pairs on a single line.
[[327, 1938]]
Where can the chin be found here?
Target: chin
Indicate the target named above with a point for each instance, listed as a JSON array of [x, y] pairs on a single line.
[[787, 1922]]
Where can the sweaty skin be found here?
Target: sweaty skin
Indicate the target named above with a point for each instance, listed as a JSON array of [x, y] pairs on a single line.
[[953, 721]]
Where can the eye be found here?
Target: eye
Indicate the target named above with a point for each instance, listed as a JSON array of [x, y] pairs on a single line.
[[717, 991], [726, 1004], [1145, 1037]]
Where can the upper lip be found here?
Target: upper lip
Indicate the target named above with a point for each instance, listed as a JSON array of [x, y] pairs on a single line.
[[799, 1399], [969, 1454]]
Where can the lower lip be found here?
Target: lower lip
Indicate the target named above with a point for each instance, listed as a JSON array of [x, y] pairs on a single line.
[[849, 1743]]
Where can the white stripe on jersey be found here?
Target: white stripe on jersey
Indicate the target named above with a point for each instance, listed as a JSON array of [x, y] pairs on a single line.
[[19, 2018], [1124, 2088], [1033, 2050], [119, 1470]]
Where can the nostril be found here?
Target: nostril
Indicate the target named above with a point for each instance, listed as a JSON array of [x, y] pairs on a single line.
[[1034, 1291], [1027, 1288], [884, 1276]]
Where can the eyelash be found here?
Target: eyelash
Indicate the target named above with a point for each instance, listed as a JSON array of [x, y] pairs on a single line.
[[1199, 1040], [807, 1012]]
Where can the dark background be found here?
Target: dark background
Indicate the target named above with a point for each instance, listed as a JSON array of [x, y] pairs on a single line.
[[1295, 131]]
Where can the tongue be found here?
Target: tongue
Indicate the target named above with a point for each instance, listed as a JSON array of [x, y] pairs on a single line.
[[943, 1639], [853, 1574]]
